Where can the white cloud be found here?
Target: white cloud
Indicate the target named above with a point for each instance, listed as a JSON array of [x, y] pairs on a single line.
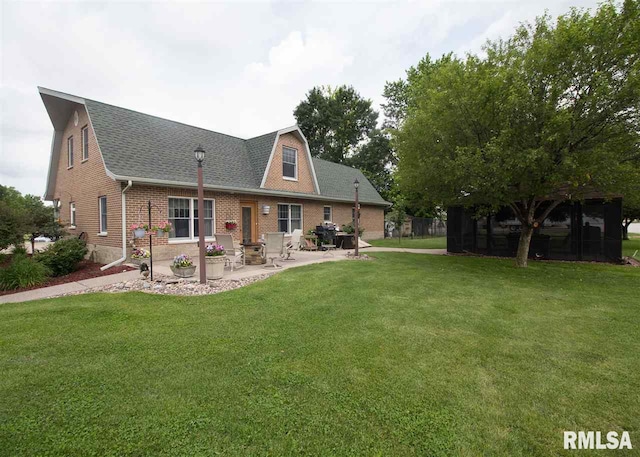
[[296, 58]]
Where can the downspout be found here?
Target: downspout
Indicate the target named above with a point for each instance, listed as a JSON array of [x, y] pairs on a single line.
[[124, 230]]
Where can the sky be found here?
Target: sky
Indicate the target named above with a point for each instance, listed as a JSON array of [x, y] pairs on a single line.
[[233, 67]]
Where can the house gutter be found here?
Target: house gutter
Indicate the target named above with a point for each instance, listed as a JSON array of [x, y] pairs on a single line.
[[124, 230], [238, 190]]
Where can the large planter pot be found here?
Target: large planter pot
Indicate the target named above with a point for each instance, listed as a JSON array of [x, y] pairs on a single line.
[[215, 266], [139, 233], [139, 262], [183, 272]]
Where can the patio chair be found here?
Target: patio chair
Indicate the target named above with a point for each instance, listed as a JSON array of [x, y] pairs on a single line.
[[233, 257], [309, 243], [273, 248], [293, 244]]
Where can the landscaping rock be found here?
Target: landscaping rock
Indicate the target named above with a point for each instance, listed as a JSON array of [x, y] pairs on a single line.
[[168, 285]]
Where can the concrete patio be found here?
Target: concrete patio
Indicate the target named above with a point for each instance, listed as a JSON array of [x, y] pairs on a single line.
[[298, 258]]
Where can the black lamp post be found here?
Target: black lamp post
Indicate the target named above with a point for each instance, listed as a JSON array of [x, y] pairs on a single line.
[[199, 153], [356, 216]]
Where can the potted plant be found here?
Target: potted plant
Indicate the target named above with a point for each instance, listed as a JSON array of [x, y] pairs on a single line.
[[230, 224], [214, 257], [182, 266], [162, 228], [139, 230], [139, 255]]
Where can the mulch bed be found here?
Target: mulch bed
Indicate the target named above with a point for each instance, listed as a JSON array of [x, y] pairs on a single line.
[[86, 270]]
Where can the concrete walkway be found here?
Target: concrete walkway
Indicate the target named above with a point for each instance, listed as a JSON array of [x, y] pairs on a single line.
[[76, 286], [410, 250], [161, 267]]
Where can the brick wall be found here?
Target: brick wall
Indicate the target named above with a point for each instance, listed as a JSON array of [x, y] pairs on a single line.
[[227, 206], [275, 179], [83, 183]]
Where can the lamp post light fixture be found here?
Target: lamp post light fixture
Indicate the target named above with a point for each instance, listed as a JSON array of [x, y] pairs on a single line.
[[356, 217], [199, 153]]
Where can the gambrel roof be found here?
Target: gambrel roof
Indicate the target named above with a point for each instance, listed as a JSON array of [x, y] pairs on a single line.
[[145, 148]]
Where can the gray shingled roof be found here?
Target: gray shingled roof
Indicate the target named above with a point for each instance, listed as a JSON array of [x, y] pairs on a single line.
[[137, 145], [336, 180]]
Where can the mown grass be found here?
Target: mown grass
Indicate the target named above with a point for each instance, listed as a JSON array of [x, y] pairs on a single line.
[[439, 242], [402, 355], [630, 246]]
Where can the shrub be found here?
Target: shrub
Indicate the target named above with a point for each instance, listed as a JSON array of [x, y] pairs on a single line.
[[350, 229], [19, 250], [63, 256], [23, 272]]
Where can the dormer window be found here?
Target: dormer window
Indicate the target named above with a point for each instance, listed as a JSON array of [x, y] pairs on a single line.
[[289, 163]]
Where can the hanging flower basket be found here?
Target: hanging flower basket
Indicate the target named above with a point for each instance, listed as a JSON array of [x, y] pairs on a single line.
[[231, 225], [139, 230], [162, 228]]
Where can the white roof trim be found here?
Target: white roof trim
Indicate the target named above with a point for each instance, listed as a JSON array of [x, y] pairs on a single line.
[[62, 95], [293, 128], [56, 136]]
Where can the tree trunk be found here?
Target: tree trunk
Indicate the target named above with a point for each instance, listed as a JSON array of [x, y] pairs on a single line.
[[522, 254], [625, 230], [33, 245]]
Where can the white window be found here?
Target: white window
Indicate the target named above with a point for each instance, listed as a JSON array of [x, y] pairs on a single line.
[[327, 213], [72, 214], [70, 152], [289, 163], [102, 204], [289, 217], [183, 215], [85, 142]]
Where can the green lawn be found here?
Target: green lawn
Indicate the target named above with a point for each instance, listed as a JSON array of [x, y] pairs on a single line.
[[439, 242], [402, 355], [630, 246]]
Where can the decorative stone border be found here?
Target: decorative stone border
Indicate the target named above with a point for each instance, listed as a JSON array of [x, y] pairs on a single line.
[[168, 285]]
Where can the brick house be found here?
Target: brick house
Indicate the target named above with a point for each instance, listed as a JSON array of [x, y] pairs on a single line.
[[107, 162]]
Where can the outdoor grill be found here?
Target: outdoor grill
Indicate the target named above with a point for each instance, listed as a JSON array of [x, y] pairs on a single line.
[[326, 235]]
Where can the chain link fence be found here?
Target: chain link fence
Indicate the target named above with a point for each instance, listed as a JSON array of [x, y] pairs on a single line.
[[418, 227]]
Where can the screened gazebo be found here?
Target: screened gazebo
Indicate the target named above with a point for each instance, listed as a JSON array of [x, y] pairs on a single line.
[[589, 230]]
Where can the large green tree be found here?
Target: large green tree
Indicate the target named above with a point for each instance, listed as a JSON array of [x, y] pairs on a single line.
[[376, 160], [630, 212], [340, 126], [12, 217], [335, 121], [549, 114], [22, 215]]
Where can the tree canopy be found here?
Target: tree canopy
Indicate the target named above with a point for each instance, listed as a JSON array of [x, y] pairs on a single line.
[[341, 126], [335, 121], [549, 114], [24, 215]]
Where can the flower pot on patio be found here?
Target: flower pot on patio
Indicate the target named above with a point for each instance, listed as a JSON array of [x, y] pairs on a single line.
[[183, 272], [215, 266], [139, 233]]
